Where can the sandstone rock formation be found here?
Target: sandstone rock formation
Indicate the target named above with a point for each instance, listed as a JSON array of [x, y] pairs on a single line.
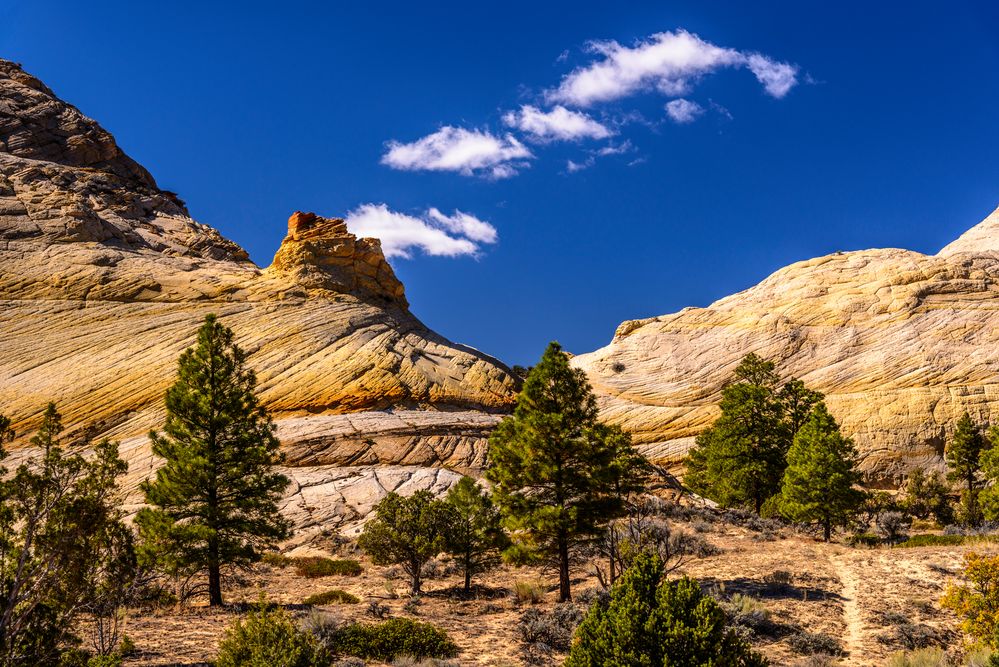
[[104, 279], [901, 343]]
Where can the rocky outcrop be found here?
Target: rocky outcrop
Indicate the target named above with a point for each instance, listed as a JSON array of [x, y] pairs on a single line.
[[320, 253], [901, 343], [104, 279]]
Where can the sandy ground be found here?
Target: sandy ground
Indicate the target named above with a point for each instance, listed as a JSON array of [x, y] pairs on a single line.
[[854, 596]]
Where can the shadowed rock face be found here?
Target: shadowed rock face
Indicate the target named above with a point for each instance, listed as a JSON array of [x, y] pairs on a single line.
[[104, 279], [901, 343]]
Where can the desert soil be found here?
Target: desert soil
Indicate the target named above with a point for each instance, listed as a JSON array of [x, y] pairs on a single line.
[[806, 586]]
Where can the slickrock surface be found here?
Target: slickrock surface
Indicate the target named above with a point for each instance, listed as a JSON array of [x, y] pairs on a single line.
[[901, 343], [104, 279]]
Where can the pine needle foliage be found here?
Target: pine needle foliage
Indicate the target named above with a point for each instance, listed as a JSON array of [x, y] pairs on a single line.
[[819, 483], [214, 500], [652, 622], [559, 475]]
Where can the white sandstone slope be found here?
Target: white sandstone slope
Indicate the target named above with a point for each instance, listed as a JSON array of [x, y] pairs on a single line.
[[901, 343]]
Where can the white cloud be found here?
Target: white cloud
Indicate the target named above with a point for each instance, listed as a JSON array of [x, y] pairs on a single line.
[[572, 166], [434, 233], [616, 149], [683, 111], [669, 62], [777, 78], [559, 124], [464, 224], [467, 152]]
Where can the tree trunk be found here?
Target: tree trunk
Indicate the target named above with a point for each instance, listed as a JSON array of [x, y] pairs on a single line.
[[417, 580], [468, 581], [214, 578], [564, 592], [827, 529]]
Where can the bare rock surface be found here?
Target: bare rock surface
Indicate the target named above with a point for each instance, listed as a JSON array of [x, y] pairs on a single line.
[[104, 279], [901, 343]]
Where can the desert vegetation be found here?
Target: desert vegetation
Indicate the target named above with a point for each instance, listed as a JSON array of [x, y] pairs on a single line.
[[580, 549]]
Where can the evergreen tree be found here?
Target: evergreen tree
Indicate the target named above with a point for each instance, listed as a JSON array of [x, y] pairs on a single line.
[[214, 501], [821, 473], [62, 540], [652, 622], [964, 463], [928, 495], [741, 458], [554, 467], [408, 531], [475, 539]]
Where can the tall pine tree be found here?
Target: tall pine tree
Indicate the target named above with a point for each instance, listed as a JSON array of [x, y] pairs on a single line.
[[554, 467], [964, 463], [741, 458], [214, 501], [818, 485]]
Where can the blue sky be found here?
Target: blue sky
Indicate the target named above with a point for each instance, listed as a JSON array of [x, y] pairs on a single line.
[[855, 126]]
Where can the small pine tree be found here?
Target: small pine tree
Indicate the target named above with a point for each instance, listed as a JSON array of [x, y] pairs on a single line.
[[964, 463], [63, 543], [476, 537], [408, 531], [818, 484], [741, 458], [214, 501], [928, 495], [652, 622], [554, 467]]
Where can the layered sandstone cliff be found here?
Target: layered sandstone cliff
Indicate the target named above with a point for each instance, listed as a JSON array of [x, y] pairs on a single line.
[[104, 279], [901, 343]]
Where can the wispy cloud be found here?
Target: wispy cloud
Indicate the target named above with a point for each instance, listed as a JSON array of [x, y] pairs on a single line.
[[557, 124], [467, 152], [670, 62], [433, 233], [683, 111]]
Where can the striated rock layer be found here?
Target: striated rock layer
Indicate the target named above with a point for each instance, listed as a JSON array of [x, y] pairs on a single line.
[[901, 343], [104, 279]]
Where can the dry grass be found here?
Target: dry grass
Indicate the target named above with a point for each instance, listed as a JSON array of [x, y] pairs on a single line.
[[798, 590]]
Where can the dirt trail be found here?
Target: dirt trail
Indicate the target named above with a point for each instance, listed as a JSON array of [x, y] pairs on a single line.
[[852, 615]]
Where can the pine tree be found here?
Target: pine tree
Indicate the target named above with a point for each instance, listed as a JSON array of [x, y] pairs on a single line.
[[741, 458], [214, 501], [818, 484], [652, 622], [475, 539], [408, 531], [964, 463], [554, 467]]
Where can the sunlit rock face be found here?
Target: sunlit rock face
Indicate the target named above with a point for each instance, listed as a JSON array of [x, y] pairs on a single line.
[[901, 343], [104, 279]]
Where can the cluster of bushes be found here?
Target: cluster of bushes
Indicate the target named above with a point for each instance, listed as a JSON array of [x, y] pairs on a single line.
[[269, 636], [335, 596]]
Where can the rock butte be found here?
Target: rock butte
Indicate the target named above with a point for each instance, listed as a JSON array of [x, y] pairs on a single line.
[[104, 279], [901, 343]]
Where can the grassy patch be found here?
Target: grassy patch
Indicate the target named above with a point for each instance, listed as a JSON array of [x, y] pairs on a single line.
[[930, 540], [335, 596], [316, 566]]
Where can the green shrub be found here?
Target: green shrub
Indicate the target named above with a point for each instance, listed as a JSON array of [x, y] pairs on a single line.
[[335, 596], [269, 638], [276, 559], [864, 540], [393, 638], [652, 621], [529, 592], [317, 566]]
